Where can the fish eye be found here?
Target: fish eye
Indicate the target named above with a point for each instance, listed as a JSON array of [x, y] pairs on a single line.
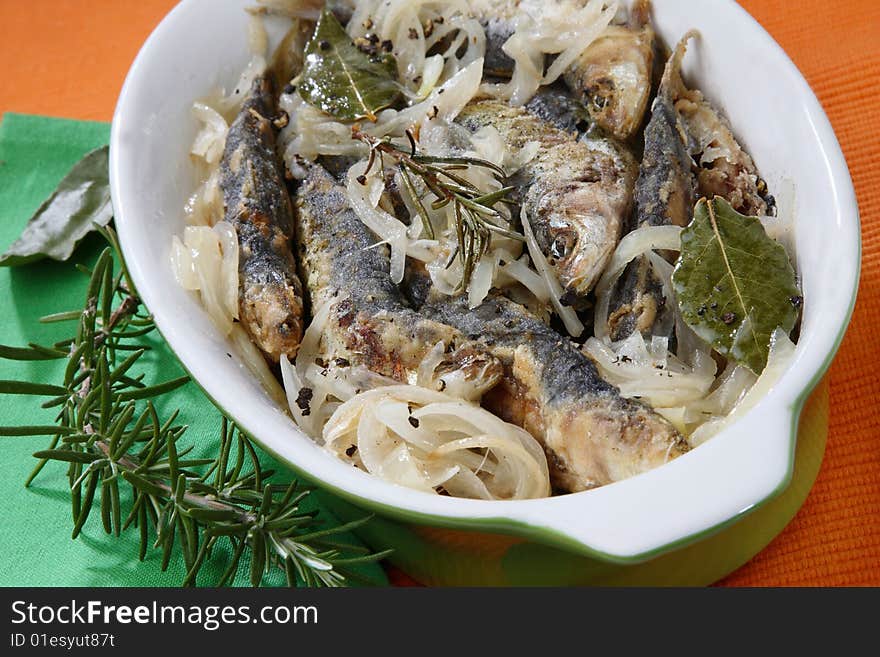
[[562, 245]]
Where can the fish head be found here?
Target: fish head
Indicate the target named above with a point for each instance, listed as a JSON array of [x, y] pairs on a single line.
[[577, 230], [613, 79]]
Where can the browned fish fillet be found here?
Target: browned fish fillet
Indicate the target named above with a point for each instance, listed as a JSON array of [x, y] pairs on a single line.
[[258, 205], [537, 378]]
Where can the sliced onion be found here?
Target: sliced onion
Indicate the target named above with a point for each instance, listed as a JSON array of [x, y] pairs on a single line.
[[293, 385], [205, 252], [229, 266], [481, 280], [182, 265], [309, 346], [425, 375], [389, 229], [423, 439], [258, 39], [255, 362], [519, 271], [444, 104], [565, 28], [211, 139]]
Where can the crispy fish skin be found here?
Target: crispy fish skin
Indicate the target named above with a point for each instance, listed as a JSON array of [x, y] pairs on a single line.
[[575, 193], [370, 322], [666, 189], [613, 75], [591, 434], [258, 205], [555, 105]]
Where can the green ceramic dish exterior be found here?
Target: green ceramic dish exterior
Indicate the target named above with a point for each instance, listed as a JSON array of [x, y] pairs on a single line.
[[442, 557]]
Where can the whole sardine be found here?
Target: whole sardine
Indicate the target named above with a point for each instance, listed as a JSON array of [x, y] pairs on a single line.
[[575, 193], [258, 205], [537, 378], [690, 152], [592, 436]]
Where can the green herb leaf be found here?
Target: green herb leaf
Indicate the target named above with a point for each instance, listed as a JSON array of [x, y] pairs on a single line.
[[341, 79], [29, 388], [35, 352], [80, 203], [37, 430], [734, 284]]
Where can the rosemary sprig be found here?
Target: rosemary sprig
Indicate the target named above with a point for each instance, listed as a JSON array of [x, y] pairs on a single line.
[[110, 434], [476, 217]]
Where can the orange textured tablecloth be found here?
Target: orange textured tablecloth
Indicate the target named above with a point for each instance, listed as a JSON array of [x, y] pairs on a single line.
[[69, 58]]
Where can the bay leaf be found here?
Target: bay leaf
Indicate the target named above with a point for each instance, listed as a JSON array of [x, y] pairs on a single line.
[[734, 284], [341, 79], [79, 204]]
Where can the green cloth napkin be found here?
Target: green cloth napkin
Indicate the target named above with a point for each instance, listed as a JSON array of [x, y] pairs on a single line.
[[35, 544]]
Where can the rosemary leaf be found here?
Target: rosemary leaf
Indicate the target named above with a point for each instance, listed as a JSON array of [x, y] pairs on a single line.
[[143, 484], [67, 455], [62, 317], [28, 388], [37, 430], [154, 391], [85, 507], [32, 352]]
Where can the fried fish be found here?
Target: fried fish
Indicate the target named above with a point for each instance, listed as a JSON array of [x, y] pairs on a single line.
[[724, 167], [690, 152], [258, 205], [371, 323], [664, 195]]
